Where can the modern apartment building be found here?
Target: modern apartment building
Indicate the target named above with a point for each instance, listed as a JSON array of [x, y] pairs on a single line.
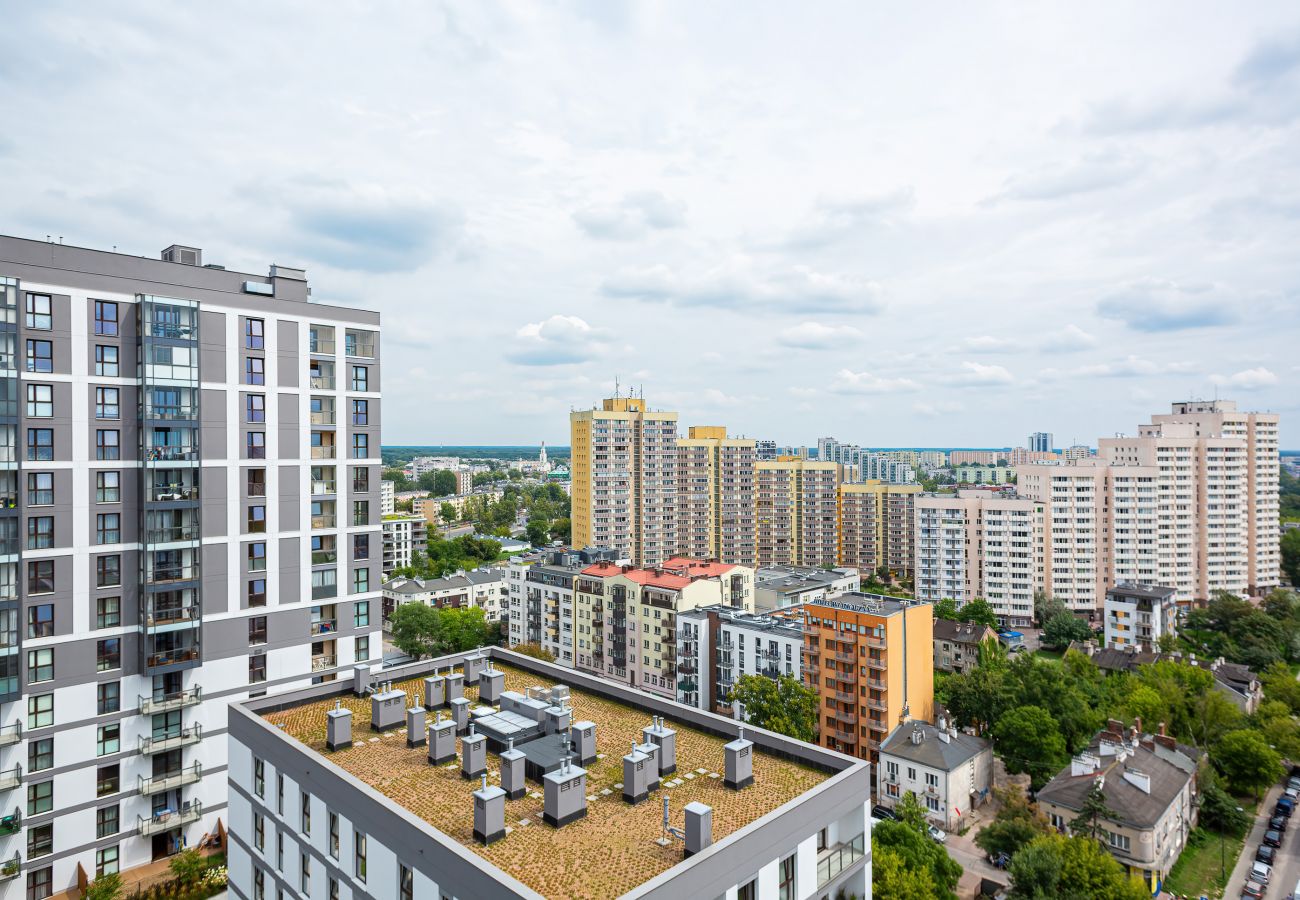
[[192, 518], [624, 479], [1138, 615], [1040, 441], [540, 601], [796, 512], [780, 587], [387, 498], [404, 537], [716, 645], [871, 660], [877, 522], [715, 496], [626, 617], [977, 544]]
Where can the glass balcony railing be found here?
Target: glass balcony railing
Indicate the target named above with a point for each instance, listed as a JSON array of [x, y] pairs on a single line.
[[171, 781], [172, 534], [169, 493], [168, 574], [174, 740], [167, 819], [324, 626], [169, 453], [12, 823], [323, 521], [324, 487], [11, 734], [322, 346], [322, 382], [11, 778], [172, 657], [834, 860], [324, 557], [170, 615], [323, 417], [321, 663], [326, 452], [11, 867], [169, 702]]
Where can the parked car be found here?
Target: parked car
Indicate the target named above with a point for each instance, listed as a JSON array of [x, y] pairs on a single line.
[[1261, 872], [1265, 854], [938, 835], [1273, 838], [1252, 890], [1285, 806], [998, 860], [1278, 823], [1293, 782], [884, 812]]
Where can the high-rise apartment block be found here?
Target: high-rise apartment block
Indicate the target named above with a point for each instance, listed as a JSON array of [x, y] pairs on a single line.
[[624, 478], [405, 537], [1040, 441], [715, 496], [876, 525], [191, 517], [796, 511], [871, 661]]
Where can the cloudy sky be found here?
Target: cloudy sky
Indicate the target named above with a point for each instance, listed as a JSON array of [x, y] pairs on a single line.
[[918, 224]]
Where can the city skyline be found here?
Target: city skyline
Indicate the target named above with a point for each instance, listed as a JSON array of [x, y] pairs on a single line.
[[897, 243]]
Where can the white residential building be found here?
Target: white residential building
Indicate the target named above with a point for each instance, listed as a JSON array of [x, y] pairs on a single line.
[[950, 772], [483, 588], [404, 537], [387, 498], [778, 587], [716, 645], [1137, 615]]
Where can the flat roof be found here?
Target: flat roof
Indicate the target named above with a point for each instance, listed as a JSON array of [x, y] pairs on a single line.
[[859, 602], [606, 854]]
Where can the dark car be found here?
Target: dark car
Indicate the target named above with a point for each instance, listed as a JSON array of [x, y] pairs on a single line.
[[1273, 838], [998, 860], [1278, 823], [1265, 854], [883, 812], [1284, 808]]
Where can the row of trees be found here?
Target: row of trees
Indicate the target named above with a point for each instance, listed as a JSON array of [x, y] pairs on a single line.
[[419, 630], [444, 556]]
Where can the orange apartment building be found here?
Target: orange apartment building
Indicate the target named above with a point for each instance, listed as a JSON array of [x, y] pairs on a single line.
[[871, 660]]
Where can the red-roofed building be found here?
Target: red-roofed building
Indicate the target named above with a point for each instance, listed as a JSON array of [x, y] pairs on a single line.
[[626, 617]]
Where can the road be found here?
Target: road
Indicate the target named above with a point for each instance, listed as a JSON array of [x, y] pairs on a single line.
[[971, 859], [1287, 870]]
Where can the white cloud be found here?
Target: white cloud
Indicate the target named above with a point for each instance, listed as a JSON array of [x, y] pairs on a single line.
[[1128, 367], [635, 215], [984, 343], [978, 374], [847, 381], [1069, 339], [816, 336], [1153, 304], [1247, 379], [559, 340]]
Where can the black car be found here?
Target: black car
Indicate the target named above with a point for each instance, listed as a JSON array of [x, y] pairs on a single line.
[[1265, 854], [883, 812], [998, 860], [1284, 809], [1273, 838], [1278, 823]]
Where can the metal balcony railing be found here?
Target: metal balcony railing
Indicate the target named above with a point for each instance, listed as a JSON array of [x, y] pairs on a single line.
[[172, 534], [12, 823], [170, 782], [173, 573], [168, 819], [321, 663], [169, 493], [170, 616], [834, 860], [11, 867], [168, 702], [877, 664], [11, 778], [191, 734]]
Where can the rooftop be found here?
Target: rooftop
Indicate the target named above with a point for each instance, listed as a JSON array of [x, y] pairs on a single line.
[[944, 750], [404, 585], [961, 632], [797, 579], [872, 604], [1151, 591], [605, 854], [787, 627]]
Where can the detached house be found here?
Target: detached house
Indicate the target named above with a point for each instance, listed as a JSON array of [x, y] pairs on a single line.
[[957, 644], [950, 772]]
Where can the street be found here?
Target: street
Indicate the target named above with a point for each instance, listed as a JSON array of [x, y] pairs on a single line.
[[971, 859], [1287, 869]]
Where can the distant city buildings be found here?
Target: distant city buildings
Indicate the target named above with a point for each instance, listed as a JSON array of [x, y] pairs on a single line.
[[715, 496], [1040, 441], [796, 511]]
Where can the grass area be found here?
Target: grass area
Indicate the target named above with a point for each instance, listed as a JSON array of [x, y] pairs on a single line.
[[1200, 869], [1053, 655]]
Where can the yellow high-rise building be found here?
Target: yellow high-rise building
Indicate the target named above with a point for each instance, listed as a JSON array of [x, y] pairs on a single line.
[[715, 496], [623, 474], [795, 510], [877, 522]]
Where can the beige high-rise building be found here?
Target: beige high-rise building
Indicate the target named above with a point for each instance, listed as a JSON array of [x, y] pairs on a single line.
[[715, 496], [624, 479], [876, 526], [796, 511]]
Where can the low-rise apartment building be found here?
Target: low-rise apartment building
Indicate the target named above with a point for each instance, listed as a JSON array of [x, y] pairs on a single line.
[[1138, 615], [404, 538], [716, 645], [948, 771], [540, 598], [779, 587], [877, 524], [957, 644], [485, 589]]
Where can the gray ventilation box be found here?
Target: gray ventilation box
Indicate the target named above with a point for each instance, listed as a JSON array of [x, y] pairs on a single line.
[[442, 741], [666, 738], [338, 729], [636, 777], [491, 684], [513, 766], [582, 735], [455, 686], [564, 795], [473, 755], [652, 767], [557, 720], [186, 256], [699, 827], [472, 666], [435, 692], [489, 813], [361, 680], [415, 717], [739, 766], [460, 714], [387, 710]]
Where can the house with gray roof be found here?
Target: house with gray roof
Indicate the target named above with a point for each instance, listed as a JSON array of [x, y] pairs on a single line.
[[957, 644], [949, 771]]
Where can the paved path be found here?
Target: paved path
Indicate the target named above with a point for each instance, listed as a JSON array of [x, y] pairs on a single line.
[[971, 858], [1287, 868]]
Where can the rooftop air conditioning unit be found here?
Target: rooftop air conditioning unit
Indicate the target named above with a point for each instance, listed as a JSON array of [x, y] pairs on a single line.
[[186, 256]]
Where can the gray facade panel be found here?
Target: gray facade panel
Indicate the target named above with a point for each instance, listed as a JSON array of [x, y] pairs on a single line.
[[290, 499], [291, 580], [286, 343], [216, 579], [213, 491], [212, 412], [212, 347]]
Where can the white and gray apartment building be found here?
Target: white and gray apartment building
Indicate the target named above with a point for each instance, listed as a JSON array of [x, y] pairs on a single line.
[[778, 587], [539, 598], [189, 516], [716, 645]]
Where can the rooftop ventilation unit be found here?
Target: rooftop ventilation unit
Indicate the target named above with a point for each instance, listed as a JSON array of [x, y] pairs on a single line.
[[186, 256]]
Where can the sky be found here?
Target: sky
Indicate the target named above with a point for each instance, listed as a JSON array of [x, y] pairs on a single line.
[[896, 224]]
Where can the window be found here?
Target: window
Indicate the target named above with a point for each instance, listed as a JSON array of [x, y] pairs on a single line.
[[108, 697], [259, 830], [108, 528], [40, 532], [254, 334], [107, 444], [108, 403], [40, 620], [40, 884], [306, 814], [108, 780], [362, 648], [108, 612], [361, 613], [40, 444], [40, 665], [255, 407], [108, 487], [105, 317], [259, 884], [108, 571], [360, 512], [334, 834], [259, 778], [40, 576], [333, 889], [257, 669], [40, 488], [254, 370], [257, 519], [360, 446], [359, 865], [1118, 841], [360, 547], [106, 861], [360, 581], [40, 841], [108, 739], [40, 755], [106, 821], [40, 356], [405, 882], [106, 361], [360, 480], [255, 444], [38, 312], [360, 378], [40, 401], [108, 654], [304, 879], [256, 630], [40, 797], [40, 711], [279, 795], [257, 482], [257, 592], [360, 412], [257, 556], [747, 891]]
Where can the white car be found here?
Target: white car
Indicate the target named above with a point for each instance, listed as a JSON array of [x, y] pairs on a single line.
[[1261, 872], [936, 834]]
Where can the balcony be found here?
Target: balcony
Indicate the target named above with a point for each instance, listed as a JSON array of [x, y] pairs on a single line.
[[170, 493], [171, 574], [171, 454], [834, 860], [321, 663], [323, 417], [318, 522], [170, 702], [11, 867], [11, 778], [173, 534], [324, 487], [324, 557], [324, 626], [878, 705], [847, 718], [322, 382], [170, 616], [172, 657], [877, 643], [322, 452], [12, 823], [168, 819], [321, 346], [847, 679], [844, 737], [845, 657], [11, 734], [175, 741], [160, 783], [845, 697], [877, 664]]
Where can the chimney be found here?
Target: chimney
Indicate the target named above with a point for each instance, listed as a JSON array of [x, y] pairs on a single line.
[[652, 764], [582, 735], [636, 776], [473, 755], [564, 795], [472, 666], [460, 714], [415, 717], [512, 771], [455, 683], [489, 813], [338, 727], [699, 827], [1137, 724], [361, 680], [435, 692], [387, 709], [666, 738], [738, 772], [491, 684], [442, 741], [1166, 741]]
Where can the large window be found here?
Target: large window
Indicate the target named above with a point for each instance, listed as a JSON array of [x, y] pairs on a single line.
[[106, 860], [257, 669], [255, 443], [360, 547], [359, 847], [40, 711], [108, 403], [360, 581], [108, 780], [106, 821], [256, 519], [106, 361], [360, 378], [108, 571], [108, 487], [361, 614], [785, 879], [254, 370], [40, 842], [257, 556], [361, 446], [254, 334], [105, 318], [108, 698], [360, 412], [108, 612], [40, 356], [108, 739], [40, 444], [257, 482], [256, 630], [39, 314], [40, 755], [257, 592], [108, 528], [40, 488], [108, 444], [40, 532], [40, 576], [40, 401], [40, 665], [40, 617], [108, 654], [360, 480], [255, 407], [40, 797]]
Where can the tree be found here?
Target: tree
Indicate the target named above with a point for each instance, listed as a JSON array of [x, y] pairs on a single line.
[[448, 512], [106, 887], [560, 529], [979, 612], [1046, 606], [1219, 810], [1016, 824], [1029, 740], [947, 609], [1247, 761], [399, 480], [1092, 812], [1167, 642], [460, 629], [1064, 627], [892, 879], [537, 532], [1291, 555], [785, 706], [188, 867], [918, 854], [1057, 867], [536, 651], [909, 811], [415, 629], [1279, 684]]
